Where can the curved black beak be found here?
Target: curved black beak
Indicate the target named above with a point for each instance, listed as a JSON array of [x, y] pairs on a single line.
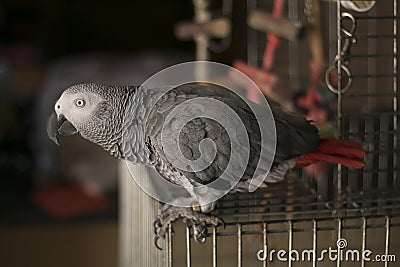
[[59, 126]]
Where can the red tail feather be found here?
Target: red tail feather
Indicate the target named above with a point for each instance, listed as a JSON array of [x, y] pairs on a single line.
[[347, 153]]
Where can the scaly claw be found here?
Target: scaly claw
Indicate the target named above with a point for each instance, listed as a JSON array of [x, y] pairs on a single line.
[[199, 221], [157, 224], [222, 222], [156, 238]]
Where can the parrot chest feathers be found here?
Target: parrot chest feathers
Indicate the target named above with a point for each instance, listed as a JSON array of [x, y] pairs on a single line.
[[131, 141]]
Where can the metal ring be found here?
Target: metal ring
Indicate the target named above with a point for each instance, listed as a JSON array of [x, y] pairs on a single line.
[[196, 207], [331, 86]]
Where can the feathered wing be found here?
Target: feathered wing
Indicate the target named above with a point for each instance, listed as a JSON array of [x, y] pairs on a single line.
[[295, 136]]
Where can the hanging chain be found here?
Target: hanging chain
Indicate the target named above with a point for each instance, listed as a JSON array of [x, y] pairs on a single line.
[[348, 38]]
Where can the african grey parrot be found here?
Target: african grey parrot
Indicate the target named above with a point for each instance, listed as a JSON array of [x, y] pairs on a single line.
[[98, 113]]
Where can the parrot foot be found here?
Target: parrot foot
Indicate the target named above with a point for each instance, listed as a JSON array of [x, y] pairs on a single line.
[[198, 220]]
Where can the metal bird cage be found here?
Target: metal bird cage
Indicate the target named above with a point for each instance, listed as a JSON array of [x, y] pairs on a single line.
[[360, 207]]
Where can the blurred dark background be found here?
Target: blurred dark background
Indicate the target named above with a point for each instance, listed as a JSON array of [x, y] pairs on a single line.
[[58, 207]]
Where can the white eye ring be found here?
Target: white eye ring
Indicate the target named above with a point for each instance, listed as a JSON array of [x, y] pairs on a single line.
[[80, 103]]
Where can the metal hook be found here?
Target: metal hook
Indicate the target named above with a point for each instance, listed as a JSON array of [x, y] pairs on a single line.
[[344, 56], [348, 35], [330, 83]]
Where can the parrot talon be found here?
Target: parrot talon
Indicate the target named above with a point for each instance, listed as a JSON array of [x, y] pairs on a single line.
[[199, 221], [156, 238], [222, 223], [157, 225]]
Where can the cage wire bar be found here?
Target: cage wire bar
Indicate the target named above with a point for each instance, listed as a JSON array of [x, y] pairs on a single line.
[[361, 206]]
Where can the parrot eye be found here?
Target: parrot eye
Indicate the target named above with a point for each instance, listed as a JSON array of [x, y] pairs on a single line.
[[80, 103]]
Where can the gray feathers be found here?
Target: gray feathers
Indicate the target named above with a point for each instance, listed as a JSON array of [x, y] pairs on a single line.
[[119, 126], [295, 136]]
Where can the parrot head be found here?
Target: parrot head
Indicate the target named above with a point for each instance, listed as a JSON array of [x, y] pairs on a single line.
[[83, 109]]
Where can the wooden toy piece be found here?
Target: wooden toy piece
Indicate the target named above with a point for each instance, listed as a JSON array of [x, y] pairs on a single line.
[[282, 27], [202, 28], [273, 43], [270, 85], [314, 33], [217, 28]]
